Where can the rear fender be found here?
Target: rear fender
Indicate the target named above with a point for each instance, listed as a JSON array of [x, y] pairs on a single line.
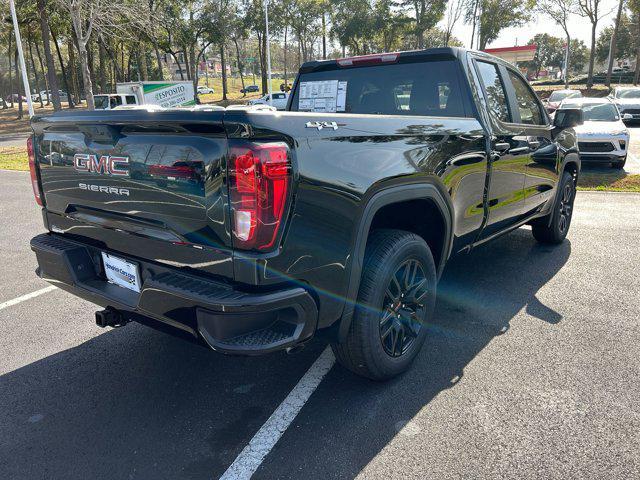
[[377, 200]]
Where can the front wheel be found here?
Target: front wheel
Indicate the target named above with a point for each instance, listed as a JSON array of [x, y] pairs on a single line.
[[395, 300], [553, 228]]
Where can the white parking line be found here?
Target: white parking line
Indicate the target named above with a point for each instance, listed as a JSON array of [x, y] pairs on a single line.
[[28, 296], [265, 439]]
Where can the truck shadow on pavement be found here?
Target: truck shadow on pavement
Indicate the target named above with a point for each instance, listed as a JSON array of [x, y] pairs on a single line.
[[350, 420], [134, 403]]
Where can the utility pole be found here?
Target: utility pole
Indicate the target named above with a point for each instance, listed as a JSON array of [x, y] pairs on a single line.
[[23, 67]]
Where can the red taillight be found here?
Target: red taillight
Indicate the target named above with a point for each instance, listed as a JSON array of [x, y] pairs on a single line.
[[259, 177], [374, 59], [32, 170]]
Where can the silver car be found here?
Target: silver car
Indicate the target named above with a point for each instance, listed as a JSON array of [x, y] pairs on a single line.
[[628, 101], [603, 136]]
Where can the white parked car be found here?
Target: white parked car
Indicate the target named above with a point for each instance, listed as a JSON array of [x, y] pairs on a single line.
[[110, 101], [279, 100], [603, 136], [204, 90], [45, 96], [628, 101]]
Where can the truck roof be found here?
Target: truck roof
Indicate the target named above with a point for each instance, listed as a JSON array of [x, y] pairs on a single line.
[[393, 57]]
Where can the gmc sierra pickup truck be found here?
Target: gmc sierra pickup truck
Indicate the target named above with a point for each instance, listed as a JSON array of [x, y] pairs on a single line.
[[251, 231]]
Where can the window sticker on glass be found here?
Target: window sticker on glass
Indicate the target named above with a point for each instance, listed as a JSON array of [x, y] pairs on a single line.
[[325, 96]]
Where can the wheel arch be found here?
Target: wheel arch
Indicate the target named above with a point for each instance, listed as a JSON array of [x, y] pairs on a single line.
[[375, 203], [571, 162]]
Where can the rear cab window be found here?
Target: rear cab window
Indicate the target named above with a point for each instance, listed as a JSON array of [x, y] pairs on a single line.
[[424, 87]]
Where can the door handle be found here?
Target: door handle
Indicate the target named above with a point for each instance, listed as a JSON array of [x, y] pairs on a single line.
[[502, 147]]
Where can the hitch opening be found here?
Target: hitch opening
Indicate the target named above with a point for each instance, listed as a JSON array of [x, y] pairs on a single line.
[[110, 317]]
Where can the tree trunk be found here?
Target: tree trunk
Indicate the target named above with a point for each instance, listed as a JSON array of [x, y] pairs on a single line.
[[159, 61], [285, 55], [129, 77], [175, 59], [65, 77], [223, 64], [187, 63], [90, 55], [44, 71], [86, 75], [613, 44], [592, 55], [73, 73], [33, 66], [143, 63], [636, 76], [102, 74], [567, 62], [240, 65], [194, 64], [324, 38], [9, 52], [262, 40], [117, 74], [52, 79]]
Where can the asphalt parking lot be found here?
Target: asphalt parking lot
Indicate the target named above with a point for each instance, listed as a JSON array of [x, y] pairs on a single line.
[[530, 371]]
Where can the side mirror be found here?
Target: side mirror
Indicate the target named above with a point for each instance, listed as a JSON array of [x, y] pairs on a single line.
[[568, 118], [627, 116]]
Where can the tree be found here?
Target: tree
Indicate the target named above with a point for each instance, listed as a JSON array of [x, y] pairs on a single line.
[[626, 40], [52, 79], [113, 17], [560, 11], [352, 24], [493, 18], [427, 15], [304, 18], [455, 9], [634, 6], [579, 55], [591, 9], [614, 38], [549, 53]]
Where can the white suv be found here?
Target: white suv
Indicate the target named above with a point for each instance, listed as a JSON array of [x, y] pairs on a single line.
[[603, 136]]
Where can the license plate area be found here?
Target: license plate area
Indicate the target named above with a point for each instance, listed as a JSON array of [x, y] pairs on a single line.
[[121, 272]]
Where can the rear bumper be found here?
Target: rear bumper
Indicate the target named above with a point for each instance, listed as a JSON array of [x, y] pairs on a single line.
[[222, 316]]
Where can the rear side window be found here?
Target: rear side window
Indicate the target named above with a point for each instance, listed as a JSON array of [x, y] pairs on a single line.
[[494, 89], [527, 103], [426, 88], [131, 100]]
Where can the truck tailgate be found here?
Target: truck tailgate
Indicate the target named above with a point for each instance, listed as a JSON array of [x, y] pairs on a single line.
[[145, 184]]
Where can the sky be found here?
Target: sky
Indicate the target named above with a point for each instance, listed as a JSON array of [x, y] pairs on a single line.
[[521, 35]]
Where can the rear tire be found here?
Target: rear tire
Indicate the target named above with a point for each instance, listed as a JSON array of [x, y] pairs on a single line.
[[396, 298], [553, 228]]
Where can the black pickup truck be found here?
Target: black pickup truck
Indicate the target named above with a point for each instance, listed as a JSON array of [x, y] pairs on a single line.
[[251, 231]]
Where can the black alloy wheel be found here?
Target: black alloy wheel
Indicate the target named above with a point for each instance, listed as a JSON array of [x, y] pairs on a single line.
[[565, 207], [403, 308]]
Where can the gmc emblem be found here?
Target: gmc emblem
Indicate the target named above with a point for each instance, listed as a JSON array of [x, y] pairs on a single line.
[[105, 165]]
